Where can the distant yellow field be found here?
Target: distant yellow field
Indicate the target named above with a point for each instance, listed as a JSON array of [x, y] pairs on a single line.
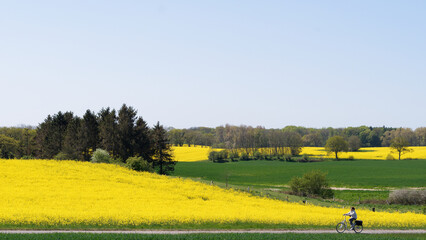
[[49, 193], [376, 153], [199, 153], [191, 154]]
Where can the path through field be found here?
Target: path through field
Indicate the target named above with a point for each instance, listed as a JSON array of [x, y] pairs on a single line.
[[366, 231]]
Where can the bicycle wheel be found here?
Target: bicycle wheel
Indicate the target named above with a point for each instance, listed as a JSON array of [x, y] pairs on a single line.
[[340, 227], [358, 228]]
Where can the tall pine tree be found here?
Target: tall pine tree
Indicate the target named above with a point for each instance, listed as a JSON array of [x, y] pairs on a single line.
[[72, 144], [51, 134], [142, 142], [88, 134], [163, 157], [126, 132], [108, 130]]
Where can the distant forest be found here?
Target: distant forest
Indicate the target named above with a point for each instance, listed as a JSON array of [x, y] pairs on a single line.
[[230, 137], [124, 134]]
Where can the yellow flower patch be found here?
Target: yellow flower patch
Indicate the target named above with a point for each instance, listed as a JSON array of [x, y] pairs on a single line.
[[61, 193]]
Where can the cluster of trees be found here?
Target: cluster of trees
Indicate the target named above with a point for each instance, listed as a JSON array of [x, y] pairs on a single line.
[[66, 136], [264, 154], [17, 142], [337, 144], [246, 142], [363, 136]]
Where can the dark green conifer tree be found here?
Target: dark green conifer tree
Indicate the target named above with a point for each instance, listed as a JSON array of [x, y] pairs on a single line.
[[142, 142], [126, 132], [163, 157], [73, 147], [108, 131], [88, 134]]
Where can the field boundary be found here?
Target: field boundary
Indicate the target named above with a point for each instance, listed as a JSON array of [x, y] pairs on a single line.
[[175, 232]]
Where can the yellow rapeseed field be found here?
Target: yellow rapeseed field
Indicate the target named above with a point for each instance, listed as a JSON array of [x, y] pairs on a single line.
[[199, 153], [191, 154], [69, 193], [376, 153]]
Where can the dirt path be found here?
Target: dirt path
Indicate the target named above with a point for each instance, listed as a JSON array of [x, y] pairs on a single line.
[[366, 231], [352, 189]]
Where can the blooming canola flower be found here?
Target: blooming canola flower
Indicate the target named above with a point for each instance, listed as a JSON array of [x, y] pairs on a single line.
[[200, 153], [61, 193]]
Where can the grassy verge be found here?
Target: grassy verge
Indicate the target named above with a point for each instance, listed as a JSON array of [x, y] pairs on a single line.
[[343, 198], [219, 236], [173, 226], [180, 226]]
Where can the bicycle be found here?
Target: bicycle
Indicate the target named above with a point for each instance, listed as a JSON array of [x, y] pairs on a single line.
[[343, 226]]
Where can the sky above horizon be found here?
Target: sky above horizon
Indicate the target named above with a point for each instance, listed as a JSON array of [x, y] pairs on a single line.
[[209, 63]]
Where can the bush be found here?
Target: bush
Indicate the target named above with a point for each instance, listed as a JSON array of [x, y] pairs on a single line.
[[139, 164], [258, 156], [390, 157], [212, 156], [100, 156], [351, 157], [313, 183], [408, 197], [218, 156], [233, 156], [305, 158], [62, 156], [244, 156], [288, 158]]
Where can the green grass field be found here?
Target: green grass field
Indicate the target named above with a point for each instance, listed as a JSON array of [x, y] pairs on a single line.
[[218, 236], [270, 178], [353, 174]]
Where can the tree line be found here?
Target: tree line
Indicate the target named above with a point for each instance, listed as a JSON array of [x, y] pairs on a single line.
[[123, 134], [229, 136], [64, 135], [17, 142], [245, 143]]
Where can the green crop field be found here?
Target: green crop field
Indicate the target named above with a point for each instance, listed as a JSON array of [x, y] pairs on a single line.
[[358, 173], [271, 178]]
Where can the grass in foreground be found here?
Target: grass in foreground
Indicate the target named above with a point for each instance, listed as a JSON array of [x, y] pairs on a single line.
[[218, 236]]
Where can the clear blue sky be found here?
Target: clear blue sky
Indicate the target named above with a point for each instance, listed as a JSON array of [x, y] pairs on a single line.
[[208, 63]]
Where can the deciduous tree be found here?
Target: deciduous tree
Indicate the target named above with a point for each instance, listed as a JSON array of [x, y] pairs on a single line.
[[8, 147], [400, 145], [336, 144], [354, 143]]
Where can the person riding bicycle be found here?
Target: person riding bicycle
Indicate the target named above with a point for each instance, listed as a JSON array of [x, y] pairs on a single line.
[[353, 216]]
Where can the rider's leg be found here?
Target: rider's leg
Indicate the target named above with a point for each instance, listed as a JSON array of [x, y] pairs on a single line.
[[351, 220]]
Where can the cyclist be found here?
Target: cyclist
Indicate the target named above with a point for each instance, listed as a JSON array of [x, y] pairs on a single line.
[[353, 216]]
